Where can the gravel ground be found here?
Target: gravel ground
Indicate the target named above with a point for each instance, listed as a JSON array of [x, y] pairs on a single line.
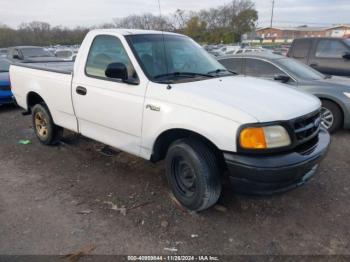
[[57, 200]]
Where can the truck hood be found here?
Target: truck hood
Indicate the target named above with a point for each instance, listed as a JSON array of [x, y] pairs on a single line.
[[245, 99]]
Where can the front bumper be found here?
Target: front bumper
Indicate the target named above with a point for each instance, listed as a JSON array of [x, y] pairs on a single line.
[[270, 174]]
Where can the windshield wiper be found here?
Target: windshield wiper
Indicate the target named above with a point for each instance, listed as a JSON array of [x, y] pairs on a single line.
[[183, 74], [217, 71], [328, 76]]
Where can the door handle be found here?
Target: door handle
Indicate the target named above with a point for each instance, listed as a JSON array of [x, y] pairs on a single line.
[[81, 91], [314, 65]]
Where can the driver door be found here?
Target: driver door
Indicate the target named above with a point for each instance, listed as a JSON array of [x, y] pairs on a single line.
[[109, 110]]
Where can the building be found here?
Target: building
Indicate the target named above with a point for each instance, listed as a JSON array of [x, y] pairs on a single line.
[[338, 31], [274, 35], [287, 33]]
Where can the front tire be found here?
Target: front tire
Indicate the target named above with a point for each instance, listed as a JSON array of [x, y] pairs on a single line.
[[332, 117], [45, 129], [193, 174]]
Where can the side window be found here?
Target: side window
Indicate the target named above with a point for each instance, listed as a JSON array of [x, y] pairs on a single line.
[[105, 50], [259, 68], [233, 64], [301, 48], [330, 49]]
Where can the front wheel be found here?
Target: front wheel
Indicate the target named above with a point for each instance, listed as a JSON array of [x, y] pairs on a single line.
[[332, 117], [193, 174], [45, 129]]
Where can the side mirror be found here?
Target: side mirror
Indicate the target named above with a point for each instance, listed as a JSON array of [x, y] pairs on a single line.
[[117, 71], [347, 56], [282, 78], [16, 57]]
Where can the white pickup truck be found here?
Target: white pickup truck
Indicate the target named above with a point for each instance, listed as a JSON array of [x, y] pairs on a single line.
[[160, 96]]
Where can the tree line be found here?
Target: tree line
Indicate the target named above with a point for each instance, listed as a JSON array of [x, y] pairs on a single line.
[[223, 24]]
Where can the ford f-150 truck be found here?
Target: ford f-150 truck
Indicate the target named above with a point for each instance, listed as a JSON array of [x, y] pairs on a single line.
[[161, 96]]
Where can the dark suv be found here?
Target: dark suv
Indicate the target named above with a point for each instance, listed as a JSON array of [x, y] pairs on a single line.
[[330, 56]]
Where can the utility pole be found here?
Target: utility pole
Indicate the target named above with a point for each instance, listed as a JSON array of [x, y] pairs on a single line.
[[233, 26], [273, 7]]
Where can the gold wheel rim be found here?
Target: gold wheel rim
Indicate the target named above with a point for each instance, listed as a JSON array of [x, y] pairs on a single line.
[[41, 125]]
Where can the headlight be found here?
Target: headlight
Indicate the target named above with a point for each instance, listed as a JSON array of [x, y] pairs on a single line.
[[264, 137]]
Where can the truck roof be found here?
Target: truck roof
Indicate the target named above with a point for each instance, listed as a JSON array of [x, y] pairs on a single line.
[[125, 32]]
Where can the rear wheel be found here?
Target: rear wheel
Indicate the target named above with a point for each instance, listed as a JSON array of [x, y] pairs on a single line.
[[332, 117], [193, 174], [46, 131]]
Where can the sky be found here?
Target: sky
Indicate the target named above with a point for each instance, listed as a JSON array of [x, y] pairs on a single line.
[[73, 13]]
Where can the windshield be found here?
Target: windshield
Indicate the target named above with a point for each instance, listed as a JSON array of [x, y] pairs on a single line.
[[4, 66], [36, 52], [300, 70], [172, 57]]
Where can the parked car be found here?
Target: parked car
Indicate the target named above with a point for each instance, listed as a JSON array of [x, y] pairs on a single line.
[[216, 52], [282, 50], [3, 52], [329, 56], [6, 96], [30, 54], [244, 50], [66, 54], [334, 92], [129, 90]]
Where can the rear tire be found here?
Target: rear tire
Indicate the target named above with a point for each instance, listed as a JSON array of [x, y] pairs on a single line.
[[193, 174], [332, 117], [45, 129]]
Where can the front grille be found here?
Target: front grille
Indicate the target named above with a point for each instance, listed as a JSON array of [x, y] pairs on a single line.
[[307, 127], [5, 88]]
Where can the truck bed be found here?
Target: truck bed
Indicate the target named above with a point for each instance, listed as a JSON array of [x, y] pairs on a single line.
[[52, 83], [63, 67]]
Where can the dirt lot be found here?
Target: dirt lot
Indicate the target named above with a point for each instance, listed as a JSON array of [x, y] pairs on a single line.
[[55, 200]]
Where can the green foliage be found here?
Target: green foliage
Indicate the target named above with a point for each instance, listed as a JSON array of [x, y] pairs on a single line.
[[196, 29], [225, 23]]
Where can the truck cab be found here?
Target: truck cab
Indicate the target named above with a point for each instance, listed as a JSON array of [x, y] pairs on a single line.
[[160, 96], [330, 56]]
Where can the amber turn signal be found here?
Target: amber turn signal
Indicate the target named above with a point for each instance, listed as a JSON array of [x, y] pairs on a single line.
[[253, 138]]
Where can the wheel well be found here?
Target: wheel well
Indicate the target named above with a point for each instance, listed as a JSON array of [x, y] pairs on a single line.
[[33, 99], [164, 141], [337, 104]]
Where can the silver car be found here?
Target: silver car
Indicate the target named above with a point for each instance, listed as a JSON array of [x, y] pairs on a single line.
[[333, 91]]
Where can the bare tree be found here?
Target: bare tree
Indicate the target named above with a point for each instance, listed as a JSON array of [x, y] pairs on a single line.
[[224, 23], [145, 21]]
